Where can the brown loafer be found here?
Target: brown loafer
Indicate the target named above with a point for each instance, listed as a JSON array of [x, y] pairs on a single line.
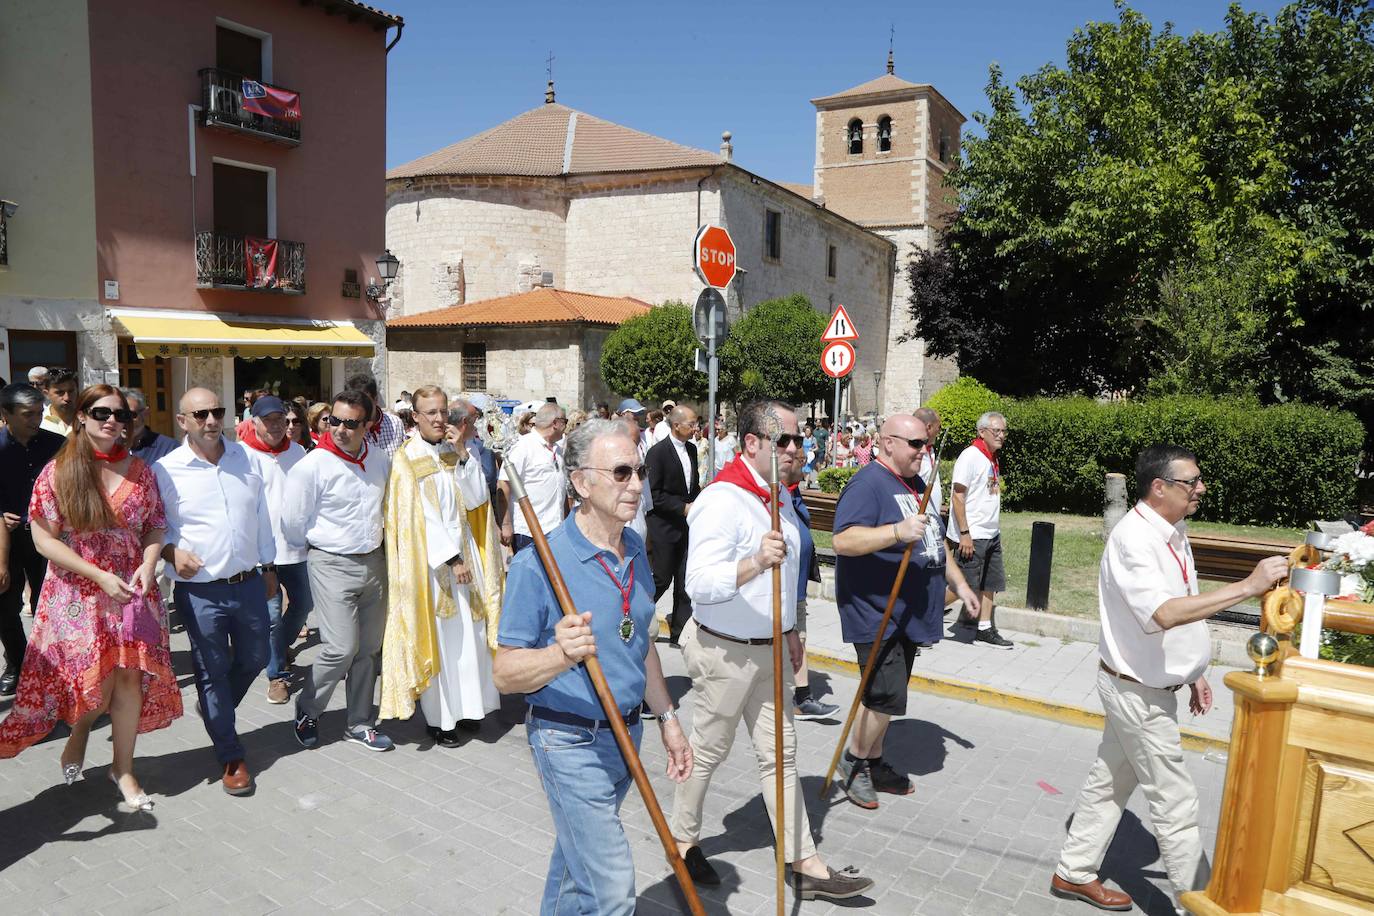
[[236, 779], [278, 691], [1094, 893]]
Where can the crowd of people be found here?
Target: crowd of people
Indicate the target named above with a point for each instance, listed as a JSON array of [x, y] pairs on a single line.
[[400, 532]]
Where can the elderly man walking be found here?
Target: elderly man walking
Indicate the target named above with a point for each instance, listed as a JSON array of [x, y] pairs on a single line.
[[1154, 642], [334, 504], [675, 485], [975, 525], [727, 646], [145, 443], [220, 552], [445, 578], [538, 459]]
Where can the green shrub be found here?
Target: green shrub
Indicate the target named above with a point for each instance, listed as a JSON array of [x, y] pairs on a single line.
[[959, 406], [832, 480], [1283, 465], [1351, 648]]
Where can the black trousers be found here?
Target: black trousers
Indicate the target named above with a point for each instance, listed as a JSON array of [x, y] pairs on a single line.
[[26, 565], [668, 560]]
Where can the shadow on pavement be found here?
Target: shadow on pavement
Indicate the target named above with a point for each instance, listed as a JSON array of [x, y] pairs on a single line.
[[1132, 852]]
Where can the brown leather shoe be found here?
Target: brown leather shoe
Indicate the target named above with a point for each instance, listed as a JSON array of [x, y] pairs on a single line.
[[1104, 898], [237, 780], [278, 691]]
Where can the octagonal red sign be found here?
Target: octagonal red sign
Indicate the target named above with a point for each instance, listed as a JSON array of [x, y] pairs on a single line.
[[714, 256]]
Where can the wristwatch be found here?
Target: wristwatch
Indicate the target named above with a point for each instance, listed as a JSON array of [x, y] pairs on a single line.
[[456, 558], [267, 568], [669, 714]]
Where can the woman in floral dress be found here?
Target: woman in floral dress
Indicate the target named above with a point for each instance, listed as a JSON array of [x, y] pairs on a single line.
[[99, 640]]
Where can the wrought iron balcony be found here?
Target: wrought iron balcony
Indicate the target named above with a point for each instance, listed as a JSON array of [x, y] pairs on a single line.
[[240, 262], [223, 105]]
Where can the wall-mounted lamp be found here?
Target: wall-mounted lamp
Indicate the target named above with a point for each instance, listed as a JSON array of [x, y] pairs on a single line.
[[387, 266]]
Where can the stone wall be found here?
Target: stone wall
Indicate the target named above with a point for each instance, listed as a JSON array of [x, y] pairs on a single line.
[[911, 376]]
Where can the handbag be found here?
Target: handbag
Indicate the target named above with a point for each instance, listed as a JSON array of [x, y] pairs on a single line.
[[140, 623]]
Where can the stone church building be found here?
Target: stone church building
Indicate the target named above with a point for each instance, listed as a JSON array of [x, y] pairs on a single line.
[[556, 198]]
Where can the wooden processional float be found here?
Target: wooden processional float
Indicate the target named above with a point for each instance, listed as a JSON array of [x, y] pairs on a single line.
[[1296, 834]]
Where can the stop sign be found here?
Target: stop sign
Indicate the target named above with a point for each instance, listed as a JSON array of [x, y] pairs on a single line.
[[714, 256]]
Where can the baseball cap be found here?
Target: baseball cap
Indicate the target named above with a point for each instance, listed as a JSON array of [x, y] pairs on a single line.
[[631, 405], [263, 406], [668, 405]]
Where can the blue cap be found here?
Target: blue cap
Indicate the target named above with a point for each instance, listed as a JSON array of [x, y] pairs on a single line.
[[263, 406], [631, 405]]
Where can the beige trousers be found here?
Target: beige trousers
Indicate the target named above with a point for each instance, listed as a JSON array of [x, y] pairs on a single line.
[[734, 681], [1140, 747]]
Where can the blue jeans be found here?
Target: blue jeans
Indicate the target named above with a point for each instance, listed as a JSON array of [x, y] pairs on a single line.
[[585, 778], [228, 628], [294, 579]]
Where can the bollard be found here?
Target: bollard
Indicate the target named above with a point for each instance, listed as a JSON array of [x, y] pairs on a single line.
[[1114, 503], [1041, 559]]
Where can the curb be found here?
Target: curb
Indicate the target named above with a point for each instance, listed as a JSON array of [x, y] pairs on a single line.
[[1009, 700]]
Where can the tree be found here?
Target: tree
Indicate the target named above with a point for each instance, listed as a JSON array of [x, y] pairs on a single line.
[[651, 357], [1156, 176], [775, 351]]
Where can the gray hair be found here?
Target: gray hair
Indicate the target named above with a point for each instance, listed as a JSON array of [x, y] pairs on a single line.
[[459, 411], [20, 395], [577, 446], [928, 416], [546, 414], [133, 394], [37, 374], [986, 419]]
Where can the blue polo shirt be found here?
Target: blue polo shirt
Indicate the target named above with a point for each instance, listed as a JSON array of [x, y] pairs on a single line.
[[530, 612], [875, 497], [808, 543]]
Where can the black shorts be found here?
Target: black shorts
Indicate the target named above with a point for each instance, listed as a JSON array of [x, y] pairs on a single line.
[[983, 571], [888, 687]]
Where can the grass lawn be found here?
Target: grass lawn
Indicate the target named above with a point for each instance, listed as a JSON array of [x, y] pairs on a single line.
[[1077, 552]]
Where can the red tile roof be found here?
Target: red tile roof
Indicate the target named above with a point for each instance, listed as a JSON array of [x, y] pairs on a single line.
[[538, 306]]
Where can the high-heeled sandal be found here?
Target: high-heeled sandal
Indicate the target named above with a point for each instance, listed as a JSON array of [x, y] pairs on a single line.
[[140, 802], [71, 772]]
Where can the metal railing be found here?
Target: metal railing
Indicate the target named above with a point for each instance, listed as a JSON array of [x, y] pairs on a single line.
[[222, 105], [4, 242], [222, 263]]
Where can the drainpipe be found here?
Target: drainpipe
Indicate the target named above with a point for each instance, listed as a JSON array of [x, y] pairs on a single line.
[[400, 27]]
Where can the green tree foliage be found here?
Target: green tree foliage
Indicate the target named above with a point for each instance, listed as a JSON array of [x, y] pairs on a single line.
[[1113, 205], [651, 357], [775, 351], [960, 405]]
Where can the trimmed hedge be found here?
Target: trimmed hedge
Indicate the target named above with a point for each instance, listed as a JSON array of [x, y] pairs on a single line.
[[959, 405], [832, 480], [1281, 465]]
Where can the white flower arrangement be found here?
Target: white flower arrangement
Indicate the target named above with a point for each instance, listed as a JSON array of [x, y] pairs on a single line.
[[1352, 555]]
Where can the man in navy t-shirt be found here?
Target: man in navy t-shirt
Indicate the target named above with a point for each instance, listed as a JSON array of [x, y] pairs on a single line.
[[878, 515]]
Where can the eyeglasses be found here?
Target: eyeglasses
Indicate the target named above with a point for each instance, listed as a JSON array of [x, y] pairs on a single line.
[[346, 424], [996, 430], [789, 439], [1190, 484], [621, 472], [101, 414], [216, 412], [914, 443]]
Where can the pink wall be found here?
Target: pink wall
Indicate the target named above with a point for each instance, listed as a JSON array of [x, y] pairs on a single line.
[[145, 58]]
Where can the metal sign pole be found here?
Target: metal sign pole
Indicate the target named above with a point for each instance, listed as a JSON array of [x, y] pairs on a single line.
[[712, 377], [835, 424]]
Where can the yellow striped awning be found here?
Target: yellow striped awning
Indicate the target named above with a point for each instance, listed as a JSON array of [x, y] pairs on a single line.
[[188, 334]]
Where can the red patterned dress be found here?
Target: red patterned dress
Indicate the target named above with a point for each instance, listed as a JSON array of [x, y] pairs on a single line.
[[78, 634]]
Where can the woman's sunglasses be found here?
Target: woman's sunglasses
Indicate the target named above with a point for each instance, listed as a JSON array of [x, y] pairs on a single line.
[[200, 415], [621, 472], [293, 421], [346, 424], [101, 414]]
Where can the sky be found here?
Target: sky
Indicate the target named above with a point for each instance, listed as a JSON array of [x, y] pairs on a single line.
[[688, 71]]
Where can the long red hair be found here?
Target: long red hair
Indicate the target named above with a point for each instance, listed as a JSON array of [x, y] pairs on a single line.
[[76, 472]]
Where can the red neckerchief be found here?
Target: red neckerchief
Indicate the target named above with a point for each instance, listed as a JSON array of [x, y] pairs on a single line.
[[900, 479], [982, 446], [329, 445], [741, 475], [114, 455], [1182, 567], [250, 438]]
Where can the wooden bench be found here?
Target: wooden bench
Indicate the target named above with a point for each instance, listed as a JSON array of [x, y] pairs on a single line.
[[821, 505], [1230, 559]]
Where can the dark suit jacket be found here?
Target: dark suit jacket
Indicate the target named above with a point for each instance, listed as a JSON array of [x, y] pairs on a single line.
[[666, 522]]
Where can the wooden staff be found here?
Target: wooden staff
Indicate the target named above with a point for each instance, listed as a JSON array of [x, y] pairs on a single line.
[[778, 713], [608, 703], [867, 673]]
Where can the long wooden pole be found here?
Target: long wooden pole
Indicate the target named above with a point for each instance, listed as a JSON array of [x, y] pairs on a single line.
[[608, 703], [779, 711], [867, 673]]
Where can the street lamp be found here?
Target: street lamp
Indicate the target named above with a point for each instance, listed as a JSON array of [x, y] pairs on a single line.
[[877, 377], [387, 266]]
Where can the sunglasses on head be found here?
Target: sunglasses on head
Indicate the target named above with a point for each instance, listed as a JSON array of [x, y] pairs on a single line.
[[101, 414], [914, 443], [346, 424], [621, 472], [216, 412]]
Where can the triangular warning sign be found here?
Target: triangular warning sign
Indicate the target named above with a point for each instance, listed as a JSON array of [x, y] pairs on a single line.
[[840, 327]]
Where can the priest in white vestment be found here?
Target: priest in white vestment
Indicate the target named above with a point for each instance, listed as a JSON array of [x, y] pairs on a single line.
[[445, 570]]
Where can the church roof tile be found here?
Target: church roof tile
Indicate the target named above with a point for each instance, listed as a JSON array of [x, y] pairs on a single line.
[[538, 306]]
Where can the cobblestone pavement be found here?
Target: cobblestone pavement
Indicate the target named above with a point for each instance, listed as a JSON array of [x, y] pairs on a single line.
[[425, 829]]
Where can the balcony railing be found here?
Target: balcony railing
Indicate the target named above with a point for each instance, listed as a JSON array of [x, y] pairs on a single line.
[[241, 262], [222, 105], [4, 243]]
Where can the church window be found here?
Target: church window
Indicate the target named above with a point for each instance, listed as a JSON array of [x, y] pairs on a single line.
[[884, 134], [474, 367], [944, 146], [856, 137], [772, 235], [831, 256]]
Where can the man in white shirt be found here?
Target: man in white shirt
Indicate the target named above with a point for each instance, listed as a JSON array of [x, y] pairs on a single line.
[[60, 390], [1154, 641], [220, 552], [663, 429], [335, 497], [728, 646], [975, 525], [725, 446], [538, 459], [274, 455]]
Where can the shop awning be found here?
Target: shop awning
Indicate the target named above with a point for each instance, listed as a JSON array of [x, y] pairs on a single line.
[[189, 334]]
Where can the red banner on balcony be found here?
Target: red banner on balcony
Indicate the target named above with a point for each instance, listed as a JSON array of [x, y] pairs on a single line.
[[260, 271], [271, 102]]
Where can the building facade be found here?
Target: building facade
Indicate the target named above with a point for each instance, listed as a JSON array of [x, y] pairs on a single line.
[[194, 202]]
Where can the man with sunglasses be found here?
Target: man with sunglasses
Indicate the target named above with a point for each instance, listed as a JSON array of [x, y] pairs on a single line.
[[334, 505], [220, 550], [1154, 641], [877, 517], [728, 645]]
